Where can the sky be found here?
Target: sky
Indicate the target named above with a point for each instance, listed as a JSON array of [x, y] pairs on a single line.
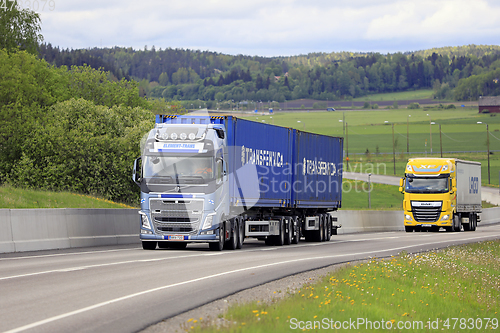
[[270, 27]]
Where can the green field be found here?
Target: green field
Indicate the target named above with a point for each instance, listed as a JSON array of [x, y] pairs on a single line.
[[383, 197], [398, 96], [419, 292], [15, 198], [369, 137]]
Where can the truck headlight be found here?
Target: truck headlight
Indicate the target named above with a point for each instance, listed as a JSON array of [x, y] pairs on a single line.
[[145, 221], [408, 217], [445, 217], [208, 221]]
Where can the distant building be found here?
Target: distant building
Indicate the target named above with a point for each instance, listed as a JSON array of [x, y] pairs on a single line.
[[489, 104]]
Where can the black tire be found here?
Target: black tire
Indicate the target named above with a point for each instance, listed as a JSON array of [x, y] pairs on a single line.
[[328, 227], [280, 239], [294, 222], [409, 229], [149, 245], [320, 235], [218, 246], [288, 234], [457, 223], [233, 240], [178, 245], [241, 233], [472, 223]]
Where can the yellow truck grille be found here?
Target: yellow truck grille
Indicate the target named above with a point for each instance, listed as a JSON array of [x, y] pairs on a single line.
[[426, 211]]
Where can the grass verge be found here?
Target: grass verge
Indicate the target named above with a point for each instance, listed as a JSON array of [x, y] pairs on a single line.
[[383, 197], [16, 198], [456, 289]]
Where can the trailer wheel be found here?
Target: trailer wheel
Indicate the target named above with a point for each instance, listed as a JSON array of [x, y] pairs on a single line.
[[328, 227], [218, 246], [320, 235], [149, 245], [280, 240], [288, 234], [241, 233], [471, 226], [296, 231]]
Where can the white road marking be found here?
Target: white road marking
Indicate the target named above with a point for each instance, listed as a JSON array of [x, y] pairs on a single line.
[[99, 305], [67, 254]]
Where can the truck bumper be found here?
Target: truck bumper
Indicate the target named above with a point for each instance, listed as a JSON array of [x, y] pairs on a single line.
[[445, 220], [201, 238]]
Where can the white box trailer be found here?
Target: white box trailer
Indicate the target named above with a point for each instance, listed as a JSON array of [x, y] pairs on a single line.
[[468, 186]]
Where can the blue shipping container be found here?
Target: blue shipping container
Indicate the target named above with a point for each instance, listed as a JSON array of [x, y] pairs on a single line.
[[294, 169]]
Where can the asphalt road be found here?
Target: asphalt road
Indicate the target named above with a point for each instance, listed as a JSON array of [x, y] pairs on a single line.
[[126, 289]]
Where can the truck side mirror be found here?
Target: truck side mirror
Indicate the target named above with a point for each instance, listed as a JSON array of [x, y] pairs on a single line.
[[136, 173], [454, 185], [401, 184]]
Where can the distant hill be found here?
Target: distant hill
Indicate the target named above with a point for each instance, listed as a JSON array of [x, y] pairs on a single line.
[[203, 78]]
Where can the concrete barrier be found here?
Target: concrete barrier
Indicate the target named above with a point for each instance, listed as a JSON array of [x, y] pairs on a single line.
[[369, 221], [376, 221], [490, 216], [47, 229]]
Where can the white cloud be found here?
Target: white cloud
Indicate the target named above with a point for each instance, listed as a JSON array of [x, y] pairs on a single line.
[[435, 20], [272, 27]]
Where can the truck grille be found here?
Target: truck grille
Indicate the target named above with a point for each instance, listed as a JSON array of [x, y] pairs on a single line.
[[426, 211], [176, 216]]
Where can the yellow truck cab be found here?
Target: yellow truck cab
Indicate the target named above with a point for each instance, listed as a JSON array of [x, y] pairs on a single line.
[[441, 192]]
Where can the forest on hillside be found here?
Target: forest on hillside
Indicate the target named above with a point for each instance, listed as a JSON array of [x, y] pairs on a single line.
[[187, 75]]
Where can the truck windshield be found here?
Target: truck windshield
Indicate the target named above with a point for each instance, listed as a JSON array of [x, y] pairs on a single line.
[[426, 185], [178, 170]]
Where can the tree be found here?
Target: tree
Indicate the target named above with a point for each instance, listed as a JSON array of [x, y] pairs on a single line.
[[19, 28]]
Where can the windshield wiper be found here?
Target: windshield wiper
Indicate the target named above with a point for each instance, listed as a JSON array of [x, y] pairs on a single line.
[[160, 180]]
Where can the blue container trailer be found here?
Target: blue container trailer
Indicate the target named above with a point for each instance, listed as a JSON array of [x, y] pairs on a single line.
[[221, 179]]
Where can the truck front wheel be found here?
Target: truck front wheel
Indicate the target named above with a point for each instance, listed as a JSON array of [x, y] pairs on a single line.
[[218, 246], [241, 232], [456, 225]]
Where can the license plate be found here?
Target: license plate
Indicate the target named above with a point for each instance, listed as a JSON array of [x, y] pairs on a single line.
[[176, 237], [427, 225]]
